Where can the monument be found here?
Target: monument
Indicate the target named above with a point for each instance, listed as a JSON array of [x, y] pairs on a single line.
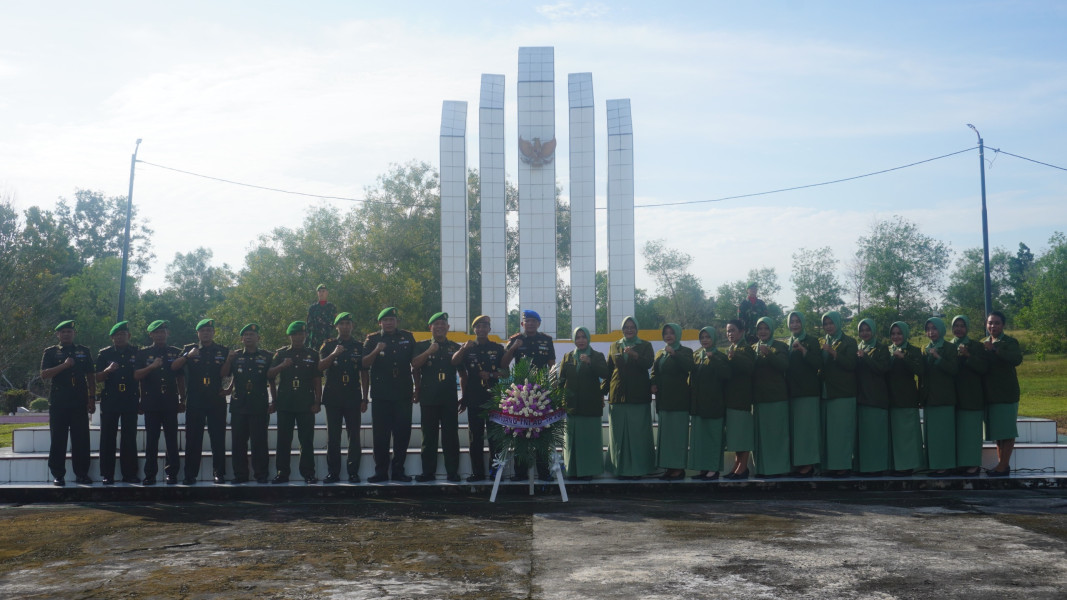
[[454, 223]]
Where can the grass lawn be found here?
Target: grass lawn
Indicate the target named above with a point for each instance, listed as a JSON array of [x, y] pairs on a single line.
[[6, 429], [1044, 388]]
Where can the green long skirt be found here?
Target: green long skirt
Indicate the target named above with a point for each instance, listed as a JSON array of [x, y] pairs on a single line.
[[969, 437], [1000, 421], [940, 436], [631, 452], [673, 449], [872, 439], [706, 444], [839, 433], [772, 437], [740, 430], [583, 451], [906, 436], [805, 429]]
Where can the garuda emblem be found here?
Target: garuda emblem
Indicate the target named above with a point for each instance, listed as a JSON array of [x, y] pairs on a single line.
[[536, 153]]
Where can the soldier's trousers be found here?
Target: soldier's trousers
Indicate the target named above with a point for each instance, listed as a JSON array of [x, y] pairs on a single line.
[[305, 425], [476, 428], [110, 422], [167, 420], [446, 420], [243, 428], [215, 418], [73, 422], [343, 413], [391, 417]]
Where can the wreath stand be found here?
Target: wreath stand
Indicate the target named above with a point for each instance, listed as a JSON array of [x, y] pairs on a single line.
[[556, 468]]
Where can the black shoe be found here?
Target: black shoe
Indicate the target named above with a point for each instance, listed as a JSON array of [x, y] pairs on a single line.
[[331, 478], [83, 480], [842, 474], [995, 473], [476, 477], [454, 478], [311, 479], [59, 482], [188, 481], [239, 480], [172, 480], [376, 478], [737, 476], [107, 480], [402, 478], [149, 481], [131, 479], [261, 480], [279, 478], [353, 478], [219, 478], [937, 474], [710, 477], [423, 478]]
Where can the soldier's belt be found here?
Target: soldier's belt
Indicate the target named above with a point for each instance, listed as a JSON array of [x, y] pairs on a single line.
[[207, 381], [122, 387]]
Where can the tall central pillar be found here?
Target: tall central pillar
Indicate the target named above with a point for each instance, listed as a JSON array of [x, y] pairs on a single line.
[[537, 184]]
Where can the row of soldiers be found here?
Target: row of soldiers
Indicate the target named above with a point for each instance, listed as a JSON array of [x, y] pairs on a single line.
[[388, 371]]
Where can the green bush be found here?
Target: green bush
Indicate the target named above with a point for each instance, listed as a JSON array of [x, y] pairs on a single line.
[[13, 399], [39, 405]]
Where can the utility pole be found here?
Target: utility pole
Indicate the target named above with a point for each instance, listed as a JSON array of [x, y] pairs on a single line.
[[985, 225], [126, 242]]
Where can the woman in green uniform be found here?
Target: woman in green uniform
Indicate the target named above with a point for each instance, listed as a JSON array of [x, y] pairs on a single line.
[[839, 396], [970, 401], [580, 374], [872, 402], [631, 452], [707, 407], [802, 377], [770, 401], [937, 392], [670, 384], [1001, 391], [740, 429], [905, 431]]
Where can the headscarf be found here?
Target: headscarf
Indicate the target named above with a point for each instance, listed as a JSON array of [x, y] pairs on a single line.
[[677, 340], [834, 316], [771, 325], [578, 353], [867, 346], [940, 325], [712, 332], [796, 338], [625, 342], [905, 331], [966, 323]]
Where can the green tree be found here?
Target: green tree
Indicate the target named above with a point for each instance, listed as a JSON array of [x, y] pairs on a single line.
[[681, 296], [199, 285], [729, 295], [1047, 313], [90, 300], [815, 280], [966, 287], [97, 224]]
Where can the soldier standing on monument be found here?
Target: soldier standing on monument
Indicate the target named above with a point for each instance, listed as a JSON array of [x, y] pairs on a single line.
[[538, 347], [162, 398], [71, 400], [345, 397], [436, 365], [388, 353], [320, 319], [250, 406], [752, 309], [118, 405], [202, 363]]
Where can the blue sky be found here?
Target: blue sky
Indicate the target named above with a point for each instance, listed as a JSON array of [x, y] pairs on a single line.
[[728, 98]]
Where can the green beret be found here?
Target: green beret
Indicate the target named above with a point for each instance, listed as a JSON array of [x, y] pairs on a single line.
[[342, 317], [437, 317], [322, 286], [205, 323], [120, 326], [64, 325], [295, 327], [253, 327], [388, 312], [157, 324]]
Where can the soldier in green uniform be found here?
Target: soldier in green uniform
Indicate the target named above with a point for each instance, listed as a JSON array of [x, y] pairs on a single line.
[[631, 452], [250, 404], [707, 407], [202, 363], [481, 359], [388, 353], [71, 399], [1001, 391], [937, 392], [872, 402], [670, 384], [802, 377], [435, 368], [750, 311], [581, 373], [162, 398], [970, 397], [538, 347], [321, 316], [297, 402], [740, 426], [839, 399], [115, 365], [770, 401], [905, 431], [345, 397]]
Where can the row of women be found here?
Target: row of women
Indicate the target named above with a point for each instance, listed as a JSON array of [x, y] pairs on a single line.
[[832, 405]]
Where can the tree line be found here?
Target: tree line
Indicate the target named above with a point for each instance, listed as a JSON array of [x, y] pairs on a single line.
[[65, 264]]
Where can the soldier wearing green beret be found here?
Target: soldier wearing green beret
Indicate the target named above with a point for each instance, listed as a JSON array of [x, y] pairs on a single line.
[[344, 395], [435, 366], [202, 363], [250, 405], [388, 353], [115, 365], [299, 396], [71, 399], [162, 398], [320, 318]]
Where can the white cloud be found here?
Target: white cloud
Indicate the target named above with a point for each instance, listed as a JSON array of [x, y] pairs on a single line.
[[567, 11]]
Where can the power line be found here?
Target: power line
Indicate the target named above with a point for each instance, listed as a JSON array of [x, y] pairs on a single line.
[[999, 151]]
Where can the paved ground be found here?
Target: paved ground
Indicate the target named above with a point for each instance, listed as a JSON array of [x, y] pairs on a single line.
[[974, 545]]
